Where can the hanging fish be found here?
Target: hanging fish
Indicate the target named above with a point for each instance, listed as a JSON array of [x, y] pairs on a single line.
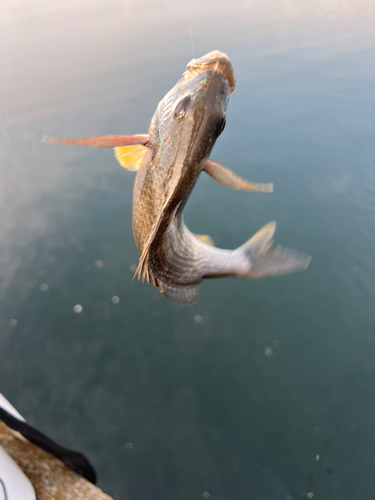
[[168, 162]]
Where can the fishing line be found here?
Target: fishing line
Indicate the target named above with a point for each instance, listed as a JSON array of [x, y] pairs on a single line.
[[191, 37], [4, 490]]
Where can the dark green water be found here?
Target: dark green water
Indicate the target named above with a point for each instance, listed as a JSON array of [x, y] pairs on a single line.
[[272, 395]]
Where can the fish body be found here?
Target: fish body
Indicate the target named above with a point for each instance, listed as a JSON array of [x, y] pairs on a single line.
[[178, 149], [182, 133]]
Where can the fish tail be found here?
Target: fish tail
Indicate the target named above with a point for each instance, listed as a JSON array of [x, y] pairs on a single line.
[[266, 260]]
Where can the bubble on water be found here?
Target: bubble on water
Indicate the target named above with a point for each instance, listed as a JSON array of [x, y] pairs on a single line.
[[99, 264], [78, 308], [268, 352], [198, 318], [310, 494], [206, 494], [317, 457], [126, 447], [43, 287], [13, 322], [115, 299], [133, 268]]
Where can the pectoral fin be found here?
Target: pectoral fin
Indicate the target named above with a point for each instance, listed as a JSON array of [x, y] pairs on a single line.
[[131, 157], [105, 141], [223, 175]]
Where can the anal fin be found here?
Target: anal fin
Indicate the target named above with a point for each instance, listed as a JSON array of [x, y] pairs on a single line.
[[205, 238]]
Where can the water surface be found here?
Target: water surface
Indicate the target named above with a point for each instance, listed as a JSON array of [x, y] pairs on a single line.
[[264, 390]]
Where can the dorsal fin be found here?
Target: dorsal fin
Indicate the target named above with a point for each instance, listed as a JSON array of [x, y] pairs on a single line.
[[184, 296], [142, 264]]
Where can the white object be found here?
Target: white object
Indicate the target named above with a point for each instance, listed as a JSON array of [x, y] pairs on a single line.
[[14, 485]]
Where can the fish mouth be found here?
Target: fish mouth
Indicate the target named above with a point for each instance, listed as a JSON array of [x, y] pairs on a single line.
[[215, 61]]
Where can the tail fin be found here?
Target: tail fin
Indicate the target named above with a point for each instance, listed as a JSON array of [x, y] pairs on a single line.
[[266, 260]]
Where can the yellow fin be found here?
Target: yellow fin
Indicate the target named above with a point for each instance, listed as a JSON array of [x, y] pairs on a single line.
[[204, 238], [131, 157]]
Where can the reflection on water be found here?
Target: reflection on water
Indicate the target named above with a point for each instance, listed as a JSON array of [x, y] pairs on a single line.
[[264, 389]]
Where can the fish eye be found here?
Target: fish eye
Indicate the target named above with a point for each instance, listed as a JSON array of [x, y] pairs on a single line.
[[182, 107], [222, 125]]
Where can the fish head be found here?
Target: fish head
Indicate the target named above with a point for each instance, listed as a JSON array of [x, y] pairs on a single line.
[[214, 61], [193, 114]]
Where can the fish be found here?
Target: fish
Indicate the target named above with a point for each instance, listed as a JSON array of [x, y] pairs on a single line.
[[169, 160]]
